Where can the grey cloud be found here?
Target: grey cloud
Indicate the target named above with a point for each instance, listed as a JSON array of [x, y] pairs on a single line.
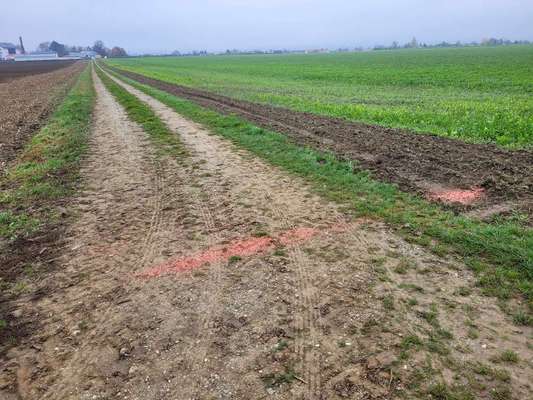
[[165, 25]]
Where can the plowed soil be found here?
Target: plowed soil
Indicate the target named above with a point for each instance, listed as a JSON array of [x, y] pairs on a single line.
[[26, 103], [13, 70], [419, 163], [217, 276]]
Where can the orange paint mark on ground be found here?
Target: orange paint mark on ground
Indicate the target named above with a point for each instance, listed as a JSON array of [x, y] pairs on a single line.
[[241, 248], [464, 197]]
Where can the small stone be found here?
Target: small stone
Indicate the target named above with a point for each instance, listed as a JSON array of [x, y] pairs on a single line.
[[133, 369], [386, 358], [372, 363], [123, 353], [270, 391], [17, 313]]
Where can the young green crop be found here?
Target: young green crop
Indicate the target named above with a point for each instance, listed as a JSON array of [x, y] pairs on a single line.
[[474, 94]]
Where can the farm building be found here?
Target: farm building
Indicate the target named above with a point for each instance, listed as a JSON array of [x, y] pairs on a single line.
[[79, 55], [89, 54], [38, 56], [7, 51]]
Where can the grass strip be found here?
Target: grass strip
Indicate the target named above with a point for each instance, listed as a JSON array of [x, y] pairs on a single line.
[[46, 168], [501, 253], [167, 142]]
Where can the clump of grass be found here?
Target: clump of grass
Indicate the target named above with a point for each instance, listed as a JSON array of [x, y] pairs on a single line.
[[472, 334], [522, 318], [507, 356], [412, 302], [441, 391], [388, 302], [260, 234], [234, 259], [280, 252], [435, 345], [281, 345], [430, 316], [277, 379], [501, 393], [463, 291], [410, 341], [368, 325], [485, 370], [411, 287], [403, 266]]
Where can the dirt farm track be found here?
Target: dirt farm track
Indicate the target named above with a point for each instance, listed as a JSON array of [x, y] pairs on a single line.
[[202, 271]]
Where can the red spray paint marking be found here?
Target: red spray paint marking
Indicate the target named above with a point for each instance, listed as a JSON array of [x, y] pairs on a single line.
[[464, 197], [240, 248]]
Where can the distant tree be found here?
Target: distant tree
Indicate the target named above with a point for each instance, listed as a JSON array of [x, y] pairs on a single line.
[[118, 52], [59, 48], [395, 45], [44, 46], [413, 43], [99, 48]]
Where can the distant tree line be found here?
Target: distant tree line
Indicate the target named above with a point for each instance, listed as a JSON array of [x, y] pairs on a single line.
[[98, 47], [413, 44]]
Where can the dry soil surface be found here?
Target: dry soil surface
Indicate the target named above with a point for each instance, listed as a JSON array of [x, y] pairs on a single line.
[[14, 70], [217, 276]]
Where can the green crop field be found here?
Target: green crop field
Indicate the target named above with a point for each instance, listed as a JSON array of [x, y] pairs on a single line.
[[482, 94]]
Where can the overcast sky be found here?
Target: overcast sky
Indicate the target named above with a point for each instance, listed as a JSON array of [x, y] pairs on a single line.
[[166, 25]]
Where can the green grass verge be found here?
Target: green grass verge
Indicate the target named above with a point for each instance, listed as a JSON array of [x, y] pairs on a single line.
[[167, 142], [48, 165], [500, 252]]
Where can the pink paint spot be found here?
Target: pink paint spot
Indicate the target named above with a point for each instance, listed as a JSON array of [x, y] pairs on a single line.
[[240, 248], [464, 197]]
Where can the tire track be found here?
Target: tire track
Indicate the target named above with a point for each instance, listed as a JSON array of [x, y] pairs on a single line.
[[212, 295], [307, 318]]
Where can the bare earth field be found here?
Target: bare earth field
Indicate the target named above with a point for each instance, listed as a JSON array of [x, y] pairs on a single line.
[[26, 103], [19, 69], [217, 276], [423, 164]]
